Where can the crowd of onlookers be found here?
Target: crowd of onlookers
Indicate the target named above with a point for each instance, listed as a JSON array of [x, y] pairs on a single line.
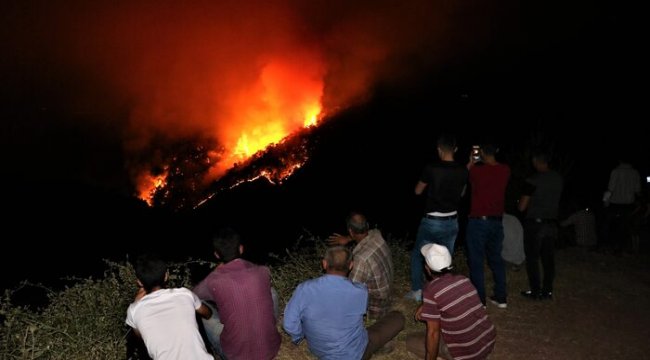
[[347, 313]]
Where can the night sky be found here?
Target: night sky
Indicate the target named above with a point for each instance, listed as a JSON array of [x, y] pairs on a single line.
[[92, 91]]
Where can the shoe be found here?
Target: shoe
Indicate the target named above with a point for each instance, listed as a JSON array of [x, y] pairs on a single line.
[[548, 295], [499, 304], [414, 295], [530, 294]]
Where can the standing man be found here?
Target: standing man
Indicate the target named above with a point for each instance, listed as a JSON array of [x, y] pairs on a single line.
[[485, 227], [541, 200], [445, 183], [244, 326], [623, 189], [166, 318], [457, 324], [373, 263], [328, 311]]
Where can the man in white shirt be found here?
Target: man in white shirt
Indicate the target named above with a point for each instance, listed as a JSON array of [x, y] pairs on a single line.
[[165, 318], [623, 189]]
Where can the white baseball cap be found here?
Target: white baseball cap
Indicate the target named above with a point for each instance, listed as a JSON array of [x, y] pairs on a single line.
[[437, 256]]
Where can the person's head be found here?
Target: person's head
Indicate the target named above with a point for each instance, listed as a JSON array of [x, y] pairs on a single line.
[[227, 245], [337, 260], [488, 150], [446, 146], [437, 257], [540, 160], [151, 272], [357, 225]]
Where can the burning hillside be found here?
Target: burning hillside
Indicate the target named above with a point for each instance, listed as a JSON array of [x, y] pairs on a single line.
[[202, 87], [180, 183]]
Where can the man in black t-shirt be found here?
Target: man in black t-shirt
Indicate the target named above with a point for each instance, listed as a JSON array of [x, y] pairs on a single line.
[[444, 182]]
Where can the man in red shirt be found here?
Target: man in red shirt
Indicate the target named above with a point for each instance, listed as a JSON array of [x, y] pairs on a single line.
[[484, 236], [243, 327]]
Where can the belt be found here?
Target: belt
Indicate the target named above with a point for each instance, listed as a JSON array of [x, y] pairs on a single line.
[[435, 217], [487, 217]]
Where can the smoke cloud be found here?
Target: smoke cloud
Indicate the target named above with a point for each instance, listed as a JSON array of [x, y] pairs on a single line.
[[206, 69]]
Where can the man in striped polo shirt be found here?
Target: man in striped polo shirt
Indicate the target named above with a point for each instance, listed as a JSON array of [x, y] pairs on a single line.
[[457, 324]]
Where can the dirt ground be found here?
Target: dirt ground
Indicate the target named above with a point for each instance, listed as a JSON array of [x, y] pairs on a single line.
[[600, 310]]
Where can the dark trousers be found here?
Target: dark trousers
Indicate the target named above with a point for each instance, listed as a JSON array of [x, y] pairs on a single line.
[[539, 242], [616, 227], [383, 331]]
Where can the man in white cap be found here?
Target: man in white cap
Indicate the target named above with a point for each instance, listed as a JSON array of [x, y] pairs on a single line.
[[457, 324]]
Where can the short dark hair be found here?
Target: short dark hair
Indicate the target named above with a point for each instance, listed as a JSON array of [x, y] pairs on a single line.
[[357, 223], [447, 142], [338, 258], [150, 269], [226, 244], [489, 148]]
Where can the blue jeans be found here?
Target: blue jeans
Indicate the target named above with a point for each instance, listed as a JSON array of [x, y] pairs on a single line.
[[485, 239], [441, 232], [213, 326]]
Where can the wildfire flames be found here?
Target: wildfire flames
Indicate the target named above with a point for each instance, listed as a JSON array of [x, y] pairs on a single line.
[[149, 184], [285, 99]]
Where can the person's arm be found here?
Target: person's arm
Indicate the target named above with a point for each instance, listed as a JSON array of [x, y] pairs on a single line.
[[418, 314], [419, 187], [432, 340], [202, 290], [130, 320], [139, 294], [522, 205], [204, 311], [472, 161], [338, 239], [199, 306], [292, 323], [524, 200], [570, 220], [612, 181]]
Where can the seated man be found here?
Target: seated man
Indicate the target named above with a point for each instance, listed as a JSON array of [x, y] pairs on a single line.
[[328, 311], [457, 323], [165, 318], [373, 263], [245, 325]]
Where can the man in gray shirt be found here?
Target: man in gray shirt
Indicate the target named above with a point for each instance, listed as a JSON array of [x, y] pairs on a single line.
[[541, 200]]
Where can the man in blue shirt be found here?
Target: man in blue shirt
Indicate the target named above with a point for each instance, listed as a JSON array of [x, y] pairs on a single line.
[[328, 311]]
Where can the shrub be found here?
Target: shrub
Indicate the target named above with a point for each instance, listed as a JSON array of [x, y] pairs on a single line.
[[83, 321]]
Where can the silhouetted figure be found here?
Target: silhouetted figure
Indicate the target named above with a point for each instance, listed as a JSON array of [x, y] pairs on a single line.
[[541, 200], [444, 182], [619, 200], [583, 221]]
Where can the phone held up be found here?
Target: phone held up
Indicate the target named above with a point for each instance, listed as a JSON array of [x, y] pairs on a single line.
[[476, 156]]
